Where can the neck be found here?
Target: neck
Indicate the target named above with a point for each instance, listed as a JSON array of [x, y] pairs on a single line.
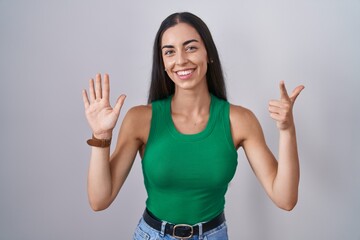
[[190, 102]]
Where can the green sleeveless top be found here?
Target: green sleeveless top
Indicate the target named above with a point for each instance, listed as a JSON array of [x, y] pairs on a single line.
[[186, 175]]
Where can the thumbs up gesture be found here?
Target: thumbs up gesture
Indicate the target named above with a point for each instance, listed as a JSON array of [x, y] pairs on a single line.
[[281, 110]]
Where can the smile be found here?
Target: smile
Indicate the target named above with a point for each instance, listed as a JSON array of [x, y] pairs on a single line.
[[185, 73]]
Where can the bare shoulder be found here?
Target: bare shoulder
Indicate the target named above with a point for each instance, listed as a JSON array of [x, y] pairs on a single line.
[[140, 113], [239, 112], [241, 116], [243, 123], [137, 122]]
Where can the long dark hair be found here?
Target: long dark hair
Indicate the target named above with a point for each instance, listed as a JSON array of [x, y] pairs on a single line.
[[161, 85]]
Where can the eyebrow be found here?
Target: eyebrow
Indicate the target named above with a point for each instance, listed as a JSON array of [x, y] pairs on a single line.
[[184, 44]]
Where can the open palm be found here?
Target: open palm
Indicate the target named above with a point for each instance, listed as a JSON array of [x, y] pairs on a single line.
[[101, 116]]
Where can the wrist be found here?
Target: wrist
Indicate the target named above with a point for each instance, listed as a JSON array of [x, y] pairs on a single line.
[[99, 142], [288, 131], [103, 135]]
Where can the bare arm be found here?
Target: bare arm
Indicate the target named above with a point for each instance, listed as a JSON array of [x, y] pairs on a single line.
[[287, 179], [108, 173], [280, 179]]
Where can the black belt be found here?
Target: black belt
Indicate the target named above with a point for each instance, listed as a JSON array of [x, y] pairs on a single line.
[[183, 231]]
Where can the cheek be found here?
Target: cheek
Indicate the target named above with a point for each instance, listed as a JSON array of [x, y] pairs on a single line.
[[200, 59], [168, 64], [203, 69], [202, 63]]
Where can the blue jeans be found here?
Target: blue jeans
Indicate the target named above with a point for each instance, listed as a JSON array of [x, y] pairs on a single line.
[[145, 232]]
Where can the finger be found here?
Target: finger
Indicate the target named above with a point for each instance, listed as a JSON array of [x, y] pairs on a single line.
[[275, 116], [98, 86], [273, 109], [119, 104], [92, 90], [106, 87], [280, 103], [276, 103], [85, 99], [283, 93], [280, 118], [296, 92]]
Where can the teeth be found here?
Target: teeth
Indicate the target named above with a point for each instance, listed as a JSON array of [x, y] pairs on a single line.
[[183, 73]]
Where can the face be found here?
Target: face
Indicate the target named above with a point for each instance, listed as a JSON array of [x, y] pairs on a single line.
[[185, 57]]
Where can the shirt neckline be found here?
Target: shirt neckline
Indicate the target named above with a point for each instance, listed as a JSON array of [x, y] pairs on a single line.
[[194, 136]]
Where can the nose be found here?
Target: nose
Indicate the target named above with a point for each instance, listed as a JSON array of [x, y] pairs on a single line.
[[181, 58]]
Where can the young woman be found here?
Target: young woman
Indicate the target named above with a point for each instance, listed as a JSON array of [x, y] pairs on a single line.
[[187, 137]]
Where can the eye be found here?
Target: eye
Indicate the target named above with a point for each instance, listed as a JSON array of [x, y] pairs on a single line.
[[191, 48], [168, 52]]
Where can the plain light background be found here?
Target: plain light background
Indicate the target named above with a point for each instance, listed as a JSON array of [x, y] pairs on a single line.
[[50, 49]]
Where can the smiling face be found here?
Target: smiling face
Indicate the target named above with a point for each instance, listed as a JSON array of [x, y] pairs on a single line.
[[185, 57]]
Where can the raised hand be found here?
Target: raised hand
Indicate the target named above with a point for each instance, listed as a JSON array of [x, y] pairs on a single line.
[[100, 115], [281, 110]]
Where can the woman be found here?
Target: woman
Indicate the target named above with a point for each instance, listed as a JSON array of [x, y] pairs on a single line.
[[187, 137]]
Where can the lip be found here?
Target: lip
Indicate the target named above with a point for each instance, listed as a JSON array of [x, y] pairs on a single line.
[[184, 74]]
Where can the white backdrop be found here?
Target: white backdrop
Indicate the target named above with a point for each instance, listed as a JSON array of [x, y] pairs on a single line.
[[49, 50]]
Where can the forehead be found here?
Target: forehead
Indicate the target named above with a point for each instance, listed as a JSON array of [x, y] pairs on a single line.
[[179, 33]]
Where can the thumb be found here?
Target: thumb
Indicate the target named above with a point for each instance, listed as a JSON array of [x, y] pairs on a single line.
[[119, 103], [296, 92]]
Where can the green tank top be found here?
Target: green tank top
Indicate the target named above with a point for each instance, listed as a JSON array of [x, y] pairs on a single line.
[[186, 175]]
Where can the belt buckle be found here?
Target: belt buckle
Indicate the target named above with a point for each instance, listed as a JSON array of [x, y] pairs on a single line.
[[179, 226]]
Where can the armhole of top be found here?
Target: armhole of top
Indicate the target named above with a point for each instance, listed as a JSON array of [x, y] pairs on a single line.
[[154, 110], [227, 126]]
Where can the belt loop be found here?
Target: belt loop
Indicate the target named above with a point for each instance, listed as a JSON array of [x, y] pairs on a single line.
[[163, 225], [200, 231]]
